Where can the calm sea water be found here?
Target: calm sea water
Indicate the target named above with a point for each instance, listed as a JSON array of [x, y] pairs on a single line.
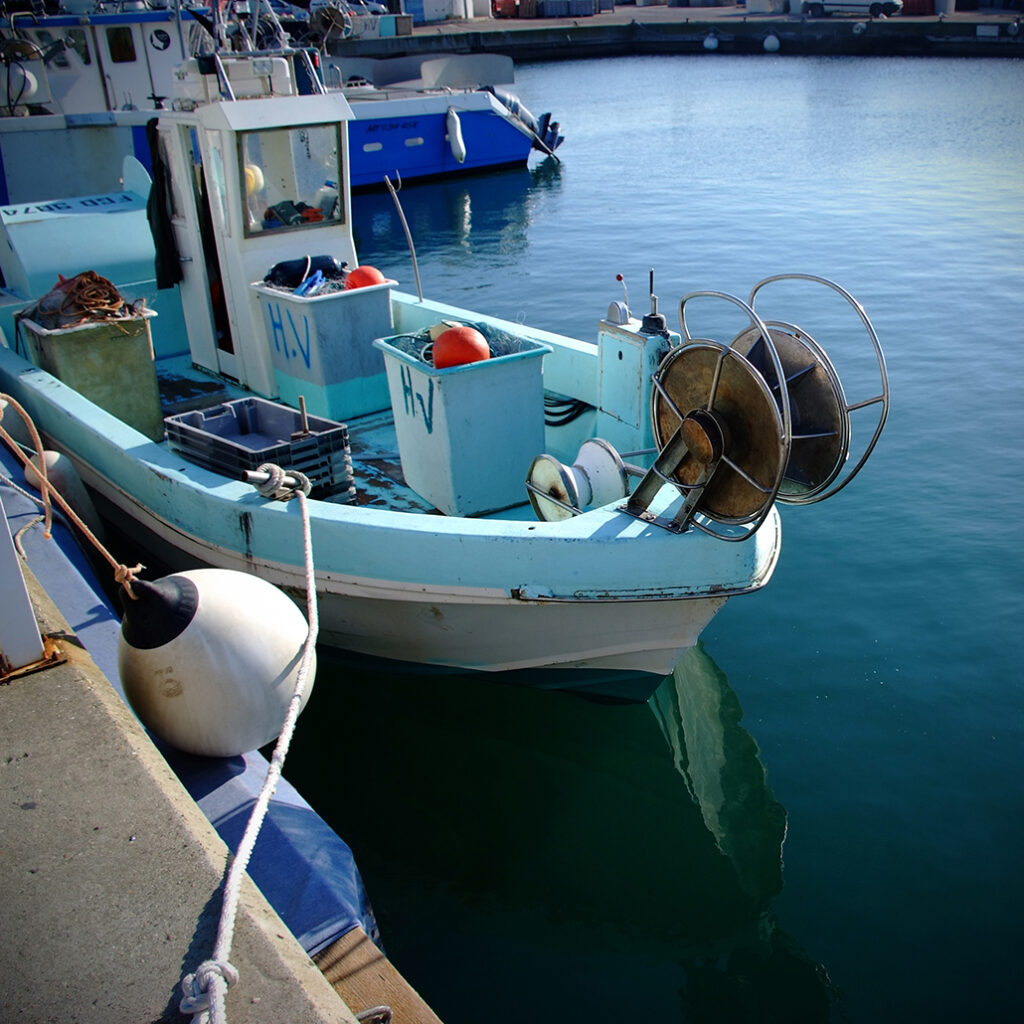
[[819, 816]]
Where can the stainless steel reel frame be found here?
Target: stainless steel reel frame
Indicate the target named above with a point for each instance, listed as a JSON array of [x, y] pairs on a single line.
[[820, 440], [824, 491], [744, 427]]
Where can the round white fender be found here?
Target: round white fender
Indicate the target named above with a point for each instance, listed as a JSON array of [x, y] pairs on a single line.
[[209, 659], [22, 86], [455, 140], [62, 474]]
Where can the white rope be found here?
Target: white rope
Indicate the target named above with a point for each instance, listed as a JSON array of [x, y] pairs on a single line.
[[203, 991]]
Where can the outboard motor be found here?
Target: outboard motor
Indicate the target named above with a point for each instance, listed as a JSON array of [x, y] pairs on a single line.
[[546, 133]]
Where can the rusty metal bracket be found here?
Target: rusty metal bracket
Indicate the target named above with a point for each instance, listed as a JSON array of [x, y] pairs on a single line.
[[52, 657]]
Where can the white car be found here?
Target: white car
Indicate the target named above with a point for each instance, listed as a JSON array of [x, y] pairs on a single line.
[[865, 8]]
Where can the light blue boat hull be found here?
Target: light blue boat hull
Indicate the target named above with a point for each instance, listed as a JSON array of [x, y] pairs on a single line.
[[599, 591]]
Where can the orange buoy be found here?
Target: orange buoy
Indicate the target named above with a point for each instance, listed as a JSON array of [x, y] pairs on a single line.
[[460, 345], [361, 277]]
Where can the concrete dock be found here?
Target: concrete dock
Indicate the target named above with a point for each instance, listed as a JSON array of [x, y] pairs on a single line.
[[660, 29], [111, 875]]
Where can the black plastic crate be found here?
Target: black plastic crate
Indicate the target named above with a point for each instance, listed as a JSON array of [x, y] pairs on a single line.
[[243, 434]]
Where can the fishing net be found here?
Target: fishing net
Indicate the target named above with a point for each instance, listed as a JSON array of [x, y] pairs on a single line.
[[501, 343], [82, 299]]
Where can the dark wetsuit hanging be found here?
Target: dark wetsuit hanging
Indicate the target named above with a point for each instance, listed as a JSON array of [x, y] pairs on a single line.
[[167, 263]]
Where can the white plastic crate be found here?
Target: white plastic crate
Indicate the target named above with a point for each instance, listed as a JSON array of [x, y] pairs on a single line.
[[467, 434]]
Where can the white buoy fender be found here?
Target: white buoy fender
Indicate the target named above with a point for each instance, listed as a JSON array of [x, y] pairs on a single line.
[[771, 43], [209, 659], [22, 85], [62, 474], [14, 424], [454, 126]]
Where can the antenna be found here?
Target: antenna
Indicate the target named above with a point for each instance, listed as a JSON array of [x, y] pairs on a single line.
[[654, 322]]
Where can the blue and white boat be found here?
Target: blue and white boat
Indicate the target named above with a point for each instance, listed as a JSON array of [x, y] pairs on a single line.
[[81, 82], [563, 505]]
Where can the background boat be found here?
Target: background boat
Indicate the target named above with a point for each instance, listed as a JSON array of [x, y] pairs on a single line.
[[92, 78]]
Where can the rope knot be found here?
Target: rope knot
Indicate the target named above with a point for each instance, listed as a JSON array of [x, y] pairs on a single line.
[[281, 485], [126, 576], [274, 482], [195, 987]]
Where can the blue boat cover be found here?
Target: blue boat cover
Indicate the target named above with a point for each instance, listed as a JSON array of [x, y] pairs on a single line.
[[306, 872]]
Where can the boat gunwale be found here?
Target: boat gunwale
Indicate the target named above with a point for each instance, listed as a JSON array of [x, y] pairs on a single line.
[[751, 563]]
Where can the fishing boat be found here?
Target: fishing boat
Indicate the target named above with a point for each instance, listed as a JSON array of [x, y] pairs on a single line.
[[548, 503], [80, 83]]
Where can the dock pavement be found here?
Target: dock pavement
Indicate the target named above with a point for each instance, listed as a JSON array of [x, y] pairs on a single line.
[[111, 875]]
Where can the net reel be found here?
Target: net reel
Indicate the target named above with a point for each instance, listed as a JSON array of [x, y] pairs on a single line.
[[737, 427], [722, 434], [808, 446], [741, 425]]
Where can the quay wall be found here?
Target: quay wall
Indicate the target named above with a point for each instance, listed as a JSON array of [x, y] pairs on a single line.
[[664, 30]]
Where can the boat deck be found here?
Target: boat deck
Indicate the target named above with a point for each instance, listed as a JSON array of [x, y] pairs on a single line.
[[376, 465]]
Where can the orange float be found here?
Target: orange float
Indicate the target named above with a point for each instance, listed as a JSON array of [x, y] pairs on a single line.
[[460, 345], [362, 277]]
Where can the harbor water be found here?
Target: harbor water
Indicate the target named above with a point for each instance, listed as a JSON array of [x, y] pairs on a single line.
[[819, 815]]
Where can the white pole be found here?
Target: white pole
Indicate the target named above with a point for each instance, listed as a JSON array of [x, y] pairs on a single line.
[[20, 643]]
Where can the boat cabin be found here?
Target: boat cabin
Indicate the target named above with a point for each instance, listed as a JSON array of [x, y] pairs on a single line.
[[250, 185]]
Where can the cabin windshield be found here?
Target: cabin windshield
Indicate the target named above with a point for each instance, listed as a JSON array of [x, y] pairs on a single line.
[[290, 178]]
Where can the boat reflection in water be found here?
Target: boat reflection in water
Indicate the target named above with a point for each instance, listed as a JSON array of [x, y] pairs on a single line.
[[761, 974], [534, 855], [488, 214]]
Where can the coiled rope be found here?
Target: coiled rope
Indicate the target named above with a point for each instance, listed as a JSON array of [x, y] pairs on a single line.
[[122, 573], [203, 990], [85, 298]]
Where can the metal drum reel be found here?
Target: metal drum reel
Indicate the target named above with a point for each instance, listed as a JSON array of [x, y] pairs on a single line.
[[741, 425], [815, 413], [722, 438]]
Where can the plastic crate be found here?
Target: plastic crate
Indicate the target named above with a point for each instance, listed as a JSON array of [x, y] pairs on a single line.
[[243, 434], [467, 434], [322, 347]]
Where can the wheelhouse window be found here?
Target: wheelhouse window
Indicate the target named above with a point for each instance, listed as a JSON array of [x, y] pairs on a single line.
[[121, 44], [290, 178], [75, 38]]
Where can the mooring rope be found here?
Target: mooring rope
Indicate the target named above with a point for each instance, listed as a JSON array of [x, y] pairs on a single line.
[[204, 990], [122, 573], [32, 523]]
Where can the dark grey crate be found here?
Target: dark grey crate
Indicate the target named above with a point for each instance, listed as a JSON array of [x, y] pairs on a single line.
[[235, 436]]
